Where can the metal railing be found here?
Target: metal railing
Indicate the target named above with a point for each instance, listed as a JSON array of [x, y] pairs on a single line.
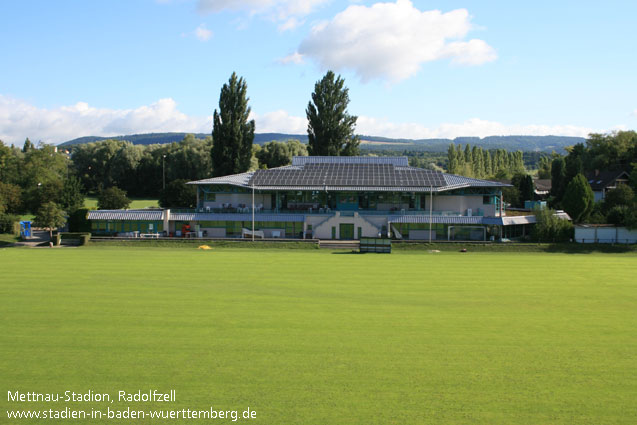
[[606, 240], [321, 211]]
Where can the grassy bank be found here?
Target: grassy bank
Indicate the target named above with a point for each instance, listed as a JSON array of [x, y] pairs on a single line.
[[136, 203]]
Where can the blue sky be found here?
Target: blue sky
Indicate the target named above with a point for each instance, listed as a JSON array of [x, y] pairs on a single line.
[[418, 69]]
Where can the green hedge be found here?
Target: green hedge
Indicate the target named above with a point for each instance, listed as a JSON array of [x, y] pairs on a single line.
[[10, 223], [83, 237]]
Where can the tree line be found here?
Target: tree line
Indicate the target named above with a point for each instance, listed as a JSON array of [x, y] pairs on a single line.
[[498, 164], [571, 190], [480, 163]]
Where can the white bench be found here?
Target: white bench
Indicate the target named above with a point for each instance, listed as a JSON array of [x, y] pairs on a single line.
[[257, 233]]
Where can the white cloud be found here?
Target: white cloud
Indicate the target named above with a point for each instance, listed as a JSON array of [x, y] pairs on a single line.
[[19, 119], [279, 122], [634, 114], [294, 58], [474, 127], [203, 33], [286, 12], [393, 40], [290, 24]]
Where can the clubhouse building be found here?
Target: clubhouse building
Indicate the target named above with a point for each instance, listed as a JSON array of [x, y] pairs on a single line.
[[331, 198]]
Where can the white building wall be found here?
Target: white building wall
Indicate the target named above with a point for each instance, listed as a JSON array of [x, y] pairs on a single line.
[[625, 235], [235, 199], [215, 232], [584, 234], [324, 229], [461, 204]]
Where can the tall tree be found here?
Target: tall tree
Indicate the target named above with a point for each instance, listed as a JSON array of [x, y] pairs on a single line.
[[488, 167], [468, 158], [527, 189], [452, 160], [478, 162], [50, 216], [544, 167], [578, 199], [27, 146], [72, 197], [112, 198], [178, 194], [330, 128], [558, 175], [232, 132]]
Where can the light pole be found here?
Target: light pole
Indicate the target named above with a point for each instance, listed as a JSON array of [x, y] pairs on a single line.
[[163, 171], [253, 212]]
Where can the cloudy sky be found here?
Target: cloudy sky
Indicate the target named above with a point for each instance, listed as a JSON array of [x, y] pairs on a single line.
[[415, 69]]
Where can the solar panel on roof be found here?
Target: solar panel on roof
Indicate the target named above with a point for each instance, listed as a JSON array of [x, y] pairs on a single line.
[[347, 174]]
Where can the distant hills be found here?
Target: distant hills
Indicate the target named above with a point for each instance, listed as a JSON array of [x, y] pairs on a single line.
[[161, 138], [374, 143]]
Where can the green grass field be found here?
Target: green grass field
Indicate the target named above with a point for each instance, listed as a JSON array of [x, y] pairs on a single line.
[[322, 337], [136, 203]]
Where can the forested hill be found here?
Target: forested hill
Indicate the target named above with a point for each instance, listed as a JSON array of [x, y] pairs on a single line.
[[511, 143], [160, 138]]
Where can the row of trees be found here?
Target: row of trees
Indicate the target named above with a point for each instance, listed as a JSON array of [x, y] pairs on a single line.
[[479, 163], [140, 170], [31, 177], [331, 129]]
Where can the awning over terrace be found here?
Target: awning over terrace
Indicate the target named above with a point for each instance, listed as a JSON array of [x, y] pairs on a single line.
[[287, 218], [436, 219], [156, 215], [143, 215]]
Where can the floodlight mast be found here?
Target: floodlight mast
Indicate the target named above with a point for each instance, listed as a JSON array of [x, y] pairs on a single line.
[[431, 205], [252, 212]]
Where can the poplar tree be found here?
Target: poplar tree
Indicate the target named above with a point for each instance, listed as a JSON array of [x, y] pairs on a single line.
[[478, 162], [558, 175], [468, 158], [232, 133], [452, 158], [488, 168], [578, 199], [330, 128]]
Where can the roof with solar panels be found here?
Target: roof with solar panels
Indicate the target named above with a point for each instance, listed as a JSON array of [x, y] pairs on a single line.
[[349, 173]]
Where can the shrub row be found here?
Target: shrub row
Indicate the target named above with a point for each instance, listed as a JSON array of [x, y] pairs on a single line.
[[82, 237], [10, 223]]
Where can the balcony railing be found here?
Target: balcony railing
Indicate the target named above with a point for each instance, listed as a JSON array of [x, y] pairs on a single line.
[[323, 211]]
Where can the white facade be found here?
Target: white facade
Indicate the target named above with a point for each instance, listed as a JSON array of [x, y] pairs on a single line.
[[605, 234]]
